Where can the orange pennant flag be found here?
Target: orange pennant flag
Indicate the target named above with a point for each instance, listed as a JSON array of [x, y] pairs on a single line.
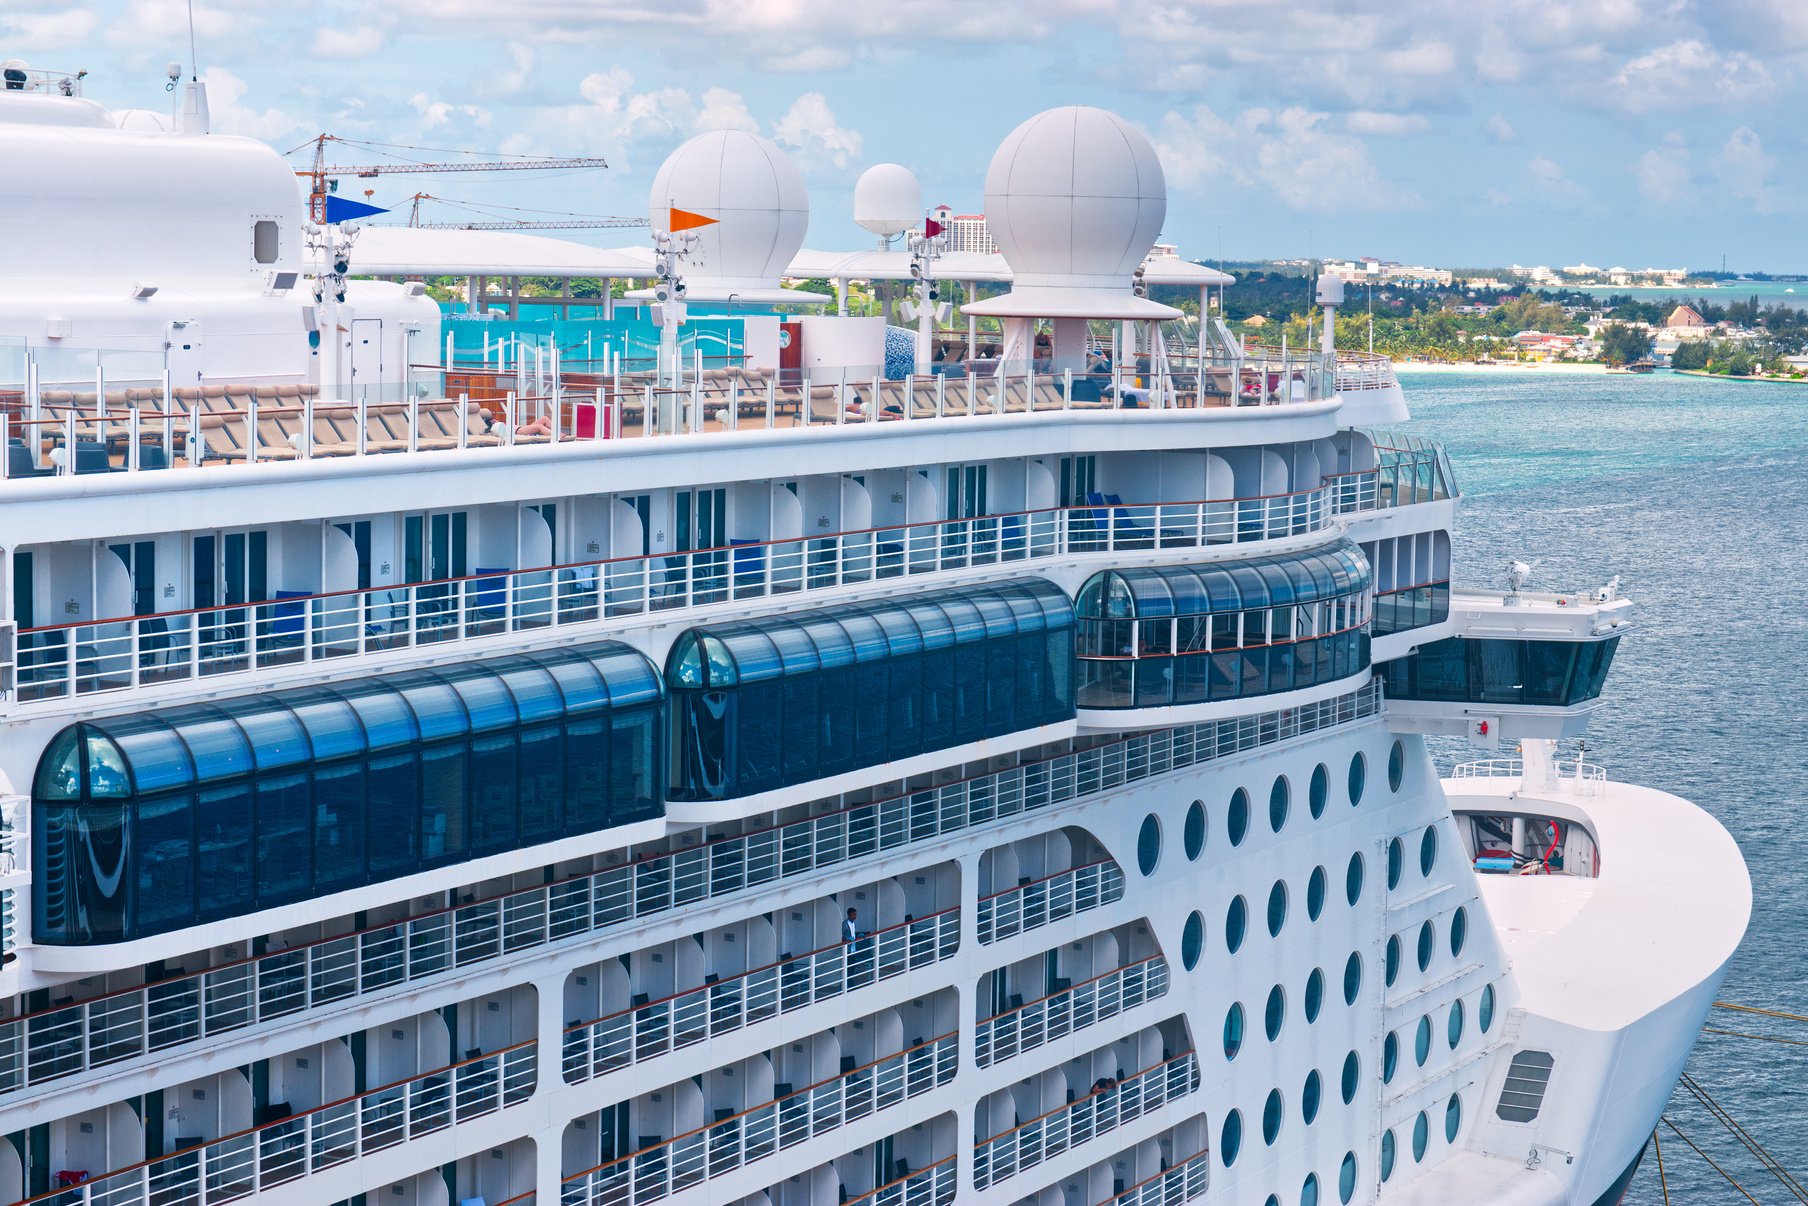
[[684, 219]]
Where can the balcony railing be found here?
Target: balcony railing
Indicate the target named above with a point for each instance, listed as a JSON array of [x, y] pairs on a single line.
[[660, 1170], [128, 652], [931, 1186], [1069, 1010], [1180, 1182], [75, 1037], [1037, 902], [246, 1163], [1099, 1112], [645, 1032]]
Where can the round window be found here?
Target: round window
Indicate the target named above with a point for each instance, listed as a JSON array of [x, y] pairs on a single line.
[[1318, 790], [1422, 1041], [1274, 1014], [1396, 855], [1315, 995], [1148, 845], [1387, 1155], [1310, 1093], [1236, 920], [1459, 931], [1279, 797], [1352, 879], [1359, 775], [1453, 1029], [1393, 959], [1236, 817], [1315, 893], [1390, 1057], [1453, 1118], [1352, 1072], [1192, 940], [1484, 1010], [1396, 766], [1346, 1178], [1233, 1030], [1421, 1136], [1308, 1194], [1271, 1117], [1428, 941], [1230, 1138], [1277, 908], [1193, 832], [1352, 978], [1428, 851]]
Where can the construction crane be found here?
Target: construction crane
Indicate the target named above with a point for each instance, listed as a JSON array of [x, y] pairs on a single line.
[[572, 222], [320, 172]]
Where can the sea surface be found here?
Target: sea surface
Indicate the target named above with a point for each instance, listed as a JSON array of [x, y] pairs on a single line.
[[1694, 492], [1768, 293]]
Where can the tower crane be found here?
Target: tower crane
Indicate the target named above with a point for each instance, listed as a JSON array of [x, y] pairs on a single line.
[[574, 222], [320, 172]]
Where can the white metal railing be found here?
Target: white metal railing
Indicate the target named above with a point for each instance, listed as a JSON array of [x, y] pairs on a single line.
[[246, 1163], [646, 1031], [1029, 906], [1364, 370], [1069, 1010], [1181, 1182], [49, 83], [1099, 1112], [127, 652], [931, 1186], [1573, 770], [72, 1038], [671, 1166]]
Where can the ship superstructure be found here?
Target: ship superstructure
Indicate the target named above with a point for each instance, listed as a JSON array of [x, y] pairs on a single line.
[[775, 780]]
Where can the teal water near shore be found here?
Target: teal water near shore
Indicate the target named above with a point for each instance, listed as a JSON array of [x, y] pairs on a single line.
[[1693, 491]]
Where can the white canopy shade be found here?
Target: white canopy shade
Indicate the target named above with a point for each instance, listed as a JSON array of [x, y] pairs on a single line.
[[413, 251]]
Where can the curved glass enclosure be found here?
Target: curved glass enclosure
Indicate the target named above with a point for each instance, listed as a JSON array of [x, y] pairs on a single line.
[[1548, 674], [153, 821], [762, 704], [1187, 634]]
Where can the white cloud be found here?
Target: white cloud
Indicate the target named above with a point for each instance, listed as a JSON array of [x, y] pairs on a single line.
[[224, 92], [724, 109], [1745, 167], [1387, 125], [341, 42], [51, 29], [442, 114], [1499, 129], [157, 30], [1685, 74], [1548, 180], [1664, 173], [1290, 154], [809, 127]]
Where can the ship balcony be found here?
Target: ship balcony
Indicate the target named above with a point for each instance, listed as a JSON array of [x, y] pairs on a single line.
[[659, 1168], [1174, 1166], [310, 1140], [1051, 876], [915, 1167], [729, 1003], [1092, 1096], [77, 1036], [1066, 1008], [300, 627]]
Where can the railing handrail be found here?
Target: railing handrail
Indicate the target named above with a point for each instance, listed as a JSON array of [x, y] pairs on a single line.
[[1068, 1105], [1072, 988], [765, 1105], [870, 1194], [1178, 1166], [600, 563], [1395, 590], [1147, 657], [61, 1195], [764, 967], [1107, 861]]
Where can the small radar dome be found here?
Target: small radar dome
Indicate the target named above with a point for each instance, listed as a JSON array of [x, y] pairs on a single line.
[[887, 199]]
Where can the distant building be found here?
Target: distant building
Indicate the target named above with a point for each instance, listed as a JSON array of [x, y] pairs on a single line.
[[1371, 271], [966, 232], [1685, 316]]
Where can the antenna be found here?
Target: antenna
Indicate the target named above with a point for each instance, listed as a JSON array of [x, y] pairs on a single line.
[[194, 68]]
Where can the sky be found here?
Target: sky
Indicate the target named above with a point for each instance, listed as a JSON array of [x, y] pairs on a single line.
[[1450, 132]]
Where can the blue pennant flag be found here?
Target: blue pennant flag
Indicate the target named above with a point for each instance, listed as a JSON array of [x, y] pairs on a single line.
[[338, 209]]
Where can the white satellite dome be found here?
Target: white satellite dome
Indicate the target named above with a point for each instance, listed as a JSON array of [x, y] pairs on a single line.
[[887, 199], [761, 207], [1075, 198]]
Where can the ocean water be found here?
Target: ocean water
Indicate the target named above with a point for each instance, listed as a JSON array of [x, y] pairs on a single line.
[[1694, 492]]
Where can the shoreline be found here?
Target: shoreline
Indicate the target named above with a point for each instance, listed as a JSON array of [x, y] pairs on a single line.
[[1412, 366], [1703, 373]]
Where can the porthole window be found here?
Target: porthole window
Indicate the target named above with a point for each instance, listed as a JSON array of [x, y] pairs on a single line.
[[1428, 941], [1318, 791], [1236, 817], [1274, 1199], [1148, 845], [1233, 1030], [1396, 855], [1387, 1154], [1392, 959], [1193, 833], [1428, 851], [1453, 1118], [1271, 1117], [1396, 766], [1310, 1094], [1352, 879], [1459, 931], [1359, 774], [265, 239], [1315, 893], [1192, 940], [1352, 1072], [1274, 1014], [1230, 1138], [1346, 1178], [1308, 1194], [1453, 1029], [1315, 995], [1280, 796], [1484, 1012], [1352, 978], [1277, 908], [1236, 920], [1422, 1040], [1390, 1057], [1421, 1136]]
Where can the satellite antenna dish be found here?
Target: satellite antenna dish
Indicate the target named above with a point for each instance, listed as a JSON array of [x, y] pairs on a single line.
[[888, 200]]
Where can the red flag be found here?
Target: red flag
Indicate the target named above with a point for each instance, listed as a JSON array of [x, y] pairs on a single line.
[[684, 219], [931, 228]]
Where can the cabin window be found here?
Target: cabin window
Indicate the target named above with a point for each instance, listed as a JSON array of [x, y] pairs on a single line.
[[264, 241]]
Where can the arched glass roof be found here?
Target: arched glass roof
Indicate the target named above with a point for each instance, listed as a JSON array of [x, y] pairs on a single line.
[[1153, 592], [745, 651], [198, 744]]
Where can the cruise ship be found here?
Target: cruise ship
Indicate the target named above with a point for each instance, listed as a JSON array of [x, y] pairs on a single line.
[[750, 753]]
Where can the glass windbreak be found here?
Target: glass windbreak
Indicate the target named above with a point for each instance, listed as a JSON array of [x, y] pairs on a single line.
[[1534, 673], [763, 704], [147, 823], [1162, 636]]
